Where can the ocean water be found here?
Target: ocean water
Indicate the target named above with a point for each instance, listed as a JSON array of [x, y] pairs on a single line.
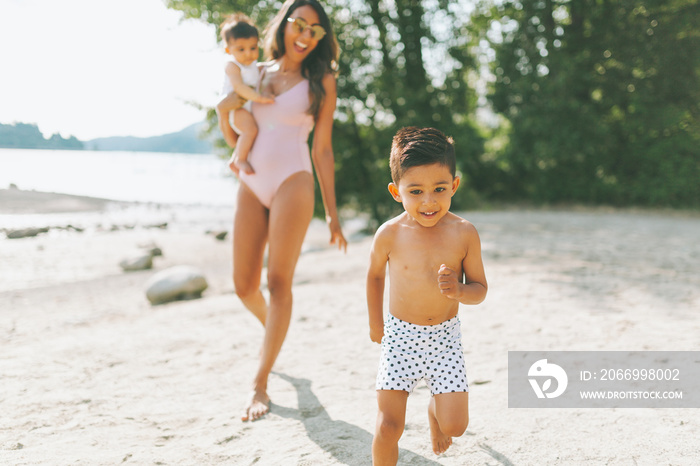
[[189, 179], [189, 191]]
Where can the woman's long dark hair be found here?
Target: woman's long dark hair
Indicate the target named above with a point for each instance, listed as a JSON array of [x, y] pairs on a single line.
[[322, 60]]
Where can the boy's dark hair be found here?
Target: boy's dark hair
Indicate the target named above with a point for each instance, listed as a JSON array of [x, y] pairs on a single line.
[[413, 146], [238, 26]]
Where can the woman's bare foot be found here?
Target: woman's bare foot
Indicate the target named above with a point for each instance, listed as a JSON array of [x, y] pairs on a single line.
[[258, 406], [244, 166], [441, 442]]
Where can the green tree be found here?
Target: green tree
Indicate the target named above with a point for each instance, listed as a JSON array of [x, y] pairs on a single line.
[[602, 98], [402, 63]]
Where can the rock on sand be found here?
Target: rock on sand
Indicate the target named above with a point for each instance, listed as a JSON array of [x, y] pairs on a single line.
[[175, 283]]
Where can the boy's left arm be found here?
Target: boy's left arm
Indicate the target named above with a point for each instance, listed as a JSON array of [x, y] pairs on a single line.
[[473, 289]]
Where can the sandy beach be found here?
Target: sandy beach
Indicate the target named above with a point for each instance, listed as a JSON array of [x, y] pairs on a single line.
[[91, 373]]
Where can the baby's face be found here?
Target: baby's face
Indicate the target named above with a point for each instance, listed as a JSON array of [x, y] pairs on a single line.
[[245, 51], [426, 192]]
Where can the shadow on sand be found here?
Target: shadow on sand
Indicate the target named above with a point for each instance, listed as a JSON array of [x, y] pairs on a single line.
[[346, 442]]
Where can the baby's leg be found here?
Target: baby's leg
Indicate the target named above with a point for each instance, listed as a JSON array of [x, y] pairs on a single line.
[[223, 110], [448, 414], [248, 130], [391, 418]]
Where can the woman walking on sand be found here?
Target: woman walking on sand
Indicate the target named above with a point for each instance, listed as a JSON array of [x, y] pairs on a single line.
[[275, 204]]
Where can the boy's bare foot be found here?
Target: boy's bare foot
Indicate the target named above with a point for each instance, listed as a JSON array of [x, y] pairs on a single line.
[[244, 166], [232, 163], [258, 406], [441, 442]]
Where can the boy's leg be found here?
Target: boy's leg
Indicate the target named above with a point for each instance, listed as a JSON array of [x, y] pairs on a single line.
[[227, 131], [391, 417], [223, 110], [448, 414], [247, 129]]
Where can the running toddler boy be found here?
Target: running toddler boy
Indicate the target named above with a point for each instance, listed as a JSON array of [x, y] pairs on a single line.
[[435, 263]]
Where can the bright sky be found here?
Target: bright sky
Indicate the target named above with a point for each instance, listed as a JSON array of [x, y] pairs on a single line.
[[96, 68]]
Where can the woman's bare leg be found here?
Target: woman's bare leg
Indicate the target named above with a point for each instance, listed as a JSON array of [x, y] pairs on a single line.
[[249, 238], [290, 214]]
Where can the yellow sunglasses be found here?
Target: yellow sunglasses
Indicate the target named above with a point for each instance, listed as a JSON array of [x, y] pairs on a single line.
[[300, 25]]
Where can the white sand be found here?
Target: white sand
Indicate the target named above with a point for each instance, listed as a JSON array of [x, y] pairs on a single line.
[[90, 373]]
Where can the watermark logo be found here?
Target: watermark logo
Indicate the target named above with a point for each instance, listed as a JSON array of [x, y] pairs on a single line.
[[603, 379], [547, 371]]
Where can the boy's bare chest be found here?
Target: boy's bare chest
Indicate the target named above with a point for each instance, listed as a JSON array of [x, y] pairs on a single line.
[[418, 256]]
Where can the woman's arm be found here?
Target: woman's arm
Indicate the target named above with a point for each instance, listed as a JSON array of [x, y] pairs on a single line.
[[324, 162]]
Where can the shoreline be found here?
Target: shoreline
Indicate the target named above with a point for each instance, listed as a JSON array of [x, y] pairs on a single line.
[[29, 209], [20, 201]]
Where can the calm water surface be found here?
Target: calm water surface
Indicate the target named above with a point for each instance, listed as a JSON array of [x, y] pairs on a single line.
[[125, 176]]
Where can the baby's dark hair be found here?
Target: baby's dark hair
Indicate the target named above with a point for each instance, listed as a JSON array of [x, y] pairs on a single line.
[[413, 146], [238, 26]]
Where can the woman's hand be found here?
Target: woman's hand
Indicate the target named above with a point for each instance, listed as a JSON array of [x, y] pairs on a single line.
[[337, 234]]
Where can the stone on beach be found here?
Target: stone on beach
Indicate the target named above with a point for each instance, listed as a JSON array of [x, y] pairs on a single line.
[[176, 283], [155, 251], [25, 232], [218, 234], [151, 248], [143, 262]]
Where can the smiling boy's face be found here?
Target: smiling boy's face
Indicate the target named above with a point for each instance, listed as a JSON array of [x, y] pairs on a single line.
[[426, 192]]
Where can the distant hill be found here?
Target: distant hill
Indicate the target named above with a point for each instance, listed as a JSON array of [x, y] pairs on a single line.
[[185, 141], [28, 136]]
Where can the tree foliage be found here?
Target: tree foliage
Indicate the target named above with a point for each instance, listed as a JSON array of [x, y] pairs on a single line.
[[402, 63], [602, 97], [598, 100]]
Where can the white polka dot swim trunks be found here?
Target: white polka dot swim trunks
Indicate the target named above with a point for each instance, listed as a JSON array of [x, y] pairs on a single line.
[[413, 352]]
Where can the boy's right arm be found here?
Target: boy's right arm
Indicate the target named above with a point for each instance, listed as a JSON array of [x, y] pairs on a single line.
[[234, 75], [376, 275], [229, 103]]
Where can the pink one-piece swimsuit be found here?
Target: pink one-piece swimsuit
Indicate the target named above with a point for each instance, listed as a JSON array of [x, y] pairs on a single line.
[[281, 147]]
